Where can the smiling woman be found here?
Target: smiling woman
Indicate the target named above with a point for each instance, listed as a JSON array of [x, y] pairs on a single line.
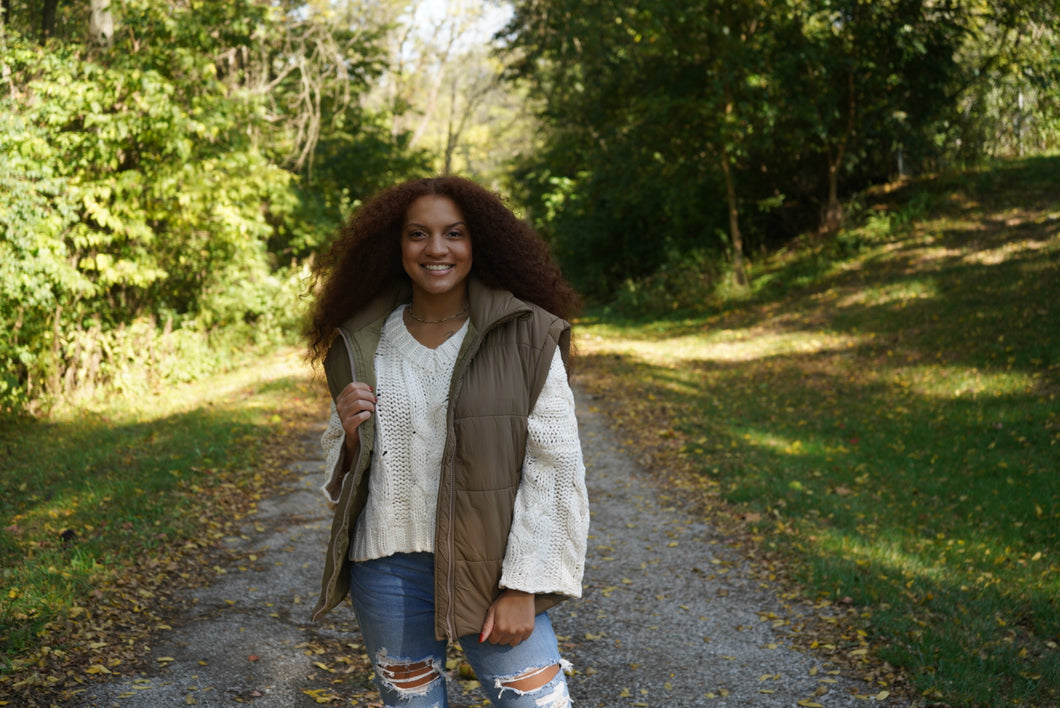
[[441, 327], [436, 255]]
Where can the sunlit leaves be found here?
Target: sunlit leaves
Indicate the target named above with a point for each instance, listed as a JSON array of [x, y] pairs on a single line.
[[147, 183]]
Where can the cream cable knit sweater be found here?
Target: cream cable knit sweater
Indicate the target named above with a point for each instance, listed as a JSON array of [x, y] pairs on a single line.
[[546, 545]]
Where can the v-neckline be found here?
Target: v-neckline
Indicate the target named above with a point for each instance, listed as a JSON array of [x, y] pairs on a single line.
[[419, 352]]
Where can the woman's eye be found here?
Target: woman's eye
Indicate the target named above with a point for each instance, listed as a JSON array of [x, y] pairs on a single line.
[[455, 234]]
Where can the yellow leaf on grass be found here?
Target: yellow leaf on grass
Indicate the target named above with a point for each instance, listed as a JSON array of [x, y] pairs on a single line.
[[98, 669], [807, 703]]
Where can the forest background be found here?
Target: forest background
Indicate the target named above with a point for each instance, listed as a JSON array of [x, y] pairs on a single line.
[[169, 171]]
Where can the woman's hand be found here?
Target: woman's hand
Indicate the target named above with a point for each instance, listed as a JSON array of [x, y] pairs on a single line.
[[510, 619], [355, 404]]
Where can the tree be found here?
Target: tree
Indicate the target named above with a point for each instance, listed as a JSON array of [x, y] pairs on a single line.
[[1005, 93], [660, 102], [47, 27], [442, 87], [101, 22], [655, 113], [161, 185]]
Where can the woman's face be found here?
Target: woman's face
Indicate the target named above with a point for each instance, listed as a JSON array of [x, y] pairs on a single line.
[[435, 247]]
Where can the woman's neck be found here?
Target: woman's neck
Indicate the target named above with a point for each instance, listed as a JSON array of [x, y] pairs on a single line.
[[428, 308]]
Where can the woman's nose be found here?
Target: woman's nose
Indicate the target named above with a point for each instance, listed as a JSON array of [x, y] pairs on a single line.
[[436, 244]]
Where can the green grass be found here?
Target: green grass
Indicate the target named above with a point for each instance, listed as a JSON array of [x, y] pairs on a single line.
[[884, 407], [94, 495]]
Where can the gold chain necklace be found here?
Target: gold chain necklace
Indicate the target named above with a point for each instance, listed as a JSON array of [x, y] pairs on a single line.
[[416, 317]]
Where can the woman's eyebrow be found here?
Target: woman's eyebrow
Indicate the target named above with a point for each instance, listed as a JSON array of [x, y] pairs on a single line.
[[422, 226]]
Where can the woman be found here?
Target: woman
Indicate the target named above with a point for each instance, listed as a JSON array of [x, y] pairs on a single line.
[[452, 451]]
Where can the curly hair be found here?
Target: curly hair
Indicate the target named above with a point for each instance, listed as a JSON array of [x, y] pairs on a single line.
[[365, 260]]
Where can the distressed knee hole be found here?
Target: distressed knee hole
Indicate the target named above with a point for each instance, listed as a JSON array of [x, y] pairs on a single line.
[[411, 677], [536, 679], [532, 680]]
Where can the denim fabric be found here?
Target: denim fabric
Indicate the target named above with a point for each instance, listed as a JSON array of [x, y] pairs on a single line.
[[393, 598]]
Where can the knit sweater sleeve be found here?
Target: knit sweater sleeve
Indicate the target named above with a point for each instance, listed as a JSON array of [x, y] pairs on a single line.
[[550, 526], [333, 444]]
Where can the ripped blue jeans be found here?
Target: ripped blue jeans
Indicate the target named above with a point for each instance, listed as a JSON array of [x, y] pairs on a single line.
[[393, 598]]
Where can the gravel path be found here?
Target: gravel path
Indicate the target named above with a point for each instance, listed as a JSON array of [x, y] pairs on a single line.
[[673, 617], [670, 616]]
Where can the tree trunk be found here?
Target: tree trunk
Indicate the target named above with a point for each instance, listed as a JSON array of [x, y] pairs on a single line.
[[451, 132], [734, 224], [47, 25], [101, 23], [832, 218], [5, 14]]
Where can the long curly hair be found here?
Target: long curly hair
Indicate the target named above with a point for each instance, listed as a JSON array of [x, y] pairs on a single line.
[[365, 260]]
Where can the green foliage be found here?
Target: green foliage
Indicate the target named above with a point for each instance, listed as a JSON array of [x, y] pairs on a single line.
[[1009, 102], [134, 193], [156, 196], [677, 288], [669, 125]]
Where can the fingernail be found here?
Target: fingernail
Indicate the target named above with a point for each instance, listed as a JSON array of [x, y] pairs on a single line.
[[481, 637]]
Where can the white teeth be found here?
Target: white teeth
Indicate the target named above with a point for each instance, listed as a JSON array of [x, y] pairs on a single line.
[[437, 267]]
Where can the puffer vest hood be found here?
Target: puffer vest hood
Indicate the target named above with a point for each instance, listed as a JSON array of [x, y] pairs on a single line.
[[500, 370]]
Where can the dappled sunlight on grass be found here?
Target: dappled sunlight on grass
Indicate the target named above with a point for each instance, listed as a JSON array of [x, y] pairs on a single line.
[[954, 381], [225, 389], [100, 489], [880, 554], [886, 416], [726, 345], [798, 446], [897, 292], [1002, 253]]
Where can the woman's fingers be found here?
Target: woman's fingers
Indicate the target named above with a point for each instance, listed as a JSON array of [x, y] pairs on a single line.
[[355, 404], [510, 619]]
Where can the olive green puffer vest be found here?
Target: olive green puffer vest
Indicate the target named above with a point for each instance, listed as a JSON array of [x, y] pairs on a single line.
[[499, 372]]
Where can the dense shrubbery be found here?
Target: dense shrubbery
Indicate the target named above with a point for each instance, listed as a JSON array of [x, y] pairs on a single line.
[[156, 201]]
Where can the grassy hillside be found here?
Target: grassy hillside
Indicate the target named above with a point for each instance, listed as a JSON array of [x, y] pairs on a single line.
[[882, 410]]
